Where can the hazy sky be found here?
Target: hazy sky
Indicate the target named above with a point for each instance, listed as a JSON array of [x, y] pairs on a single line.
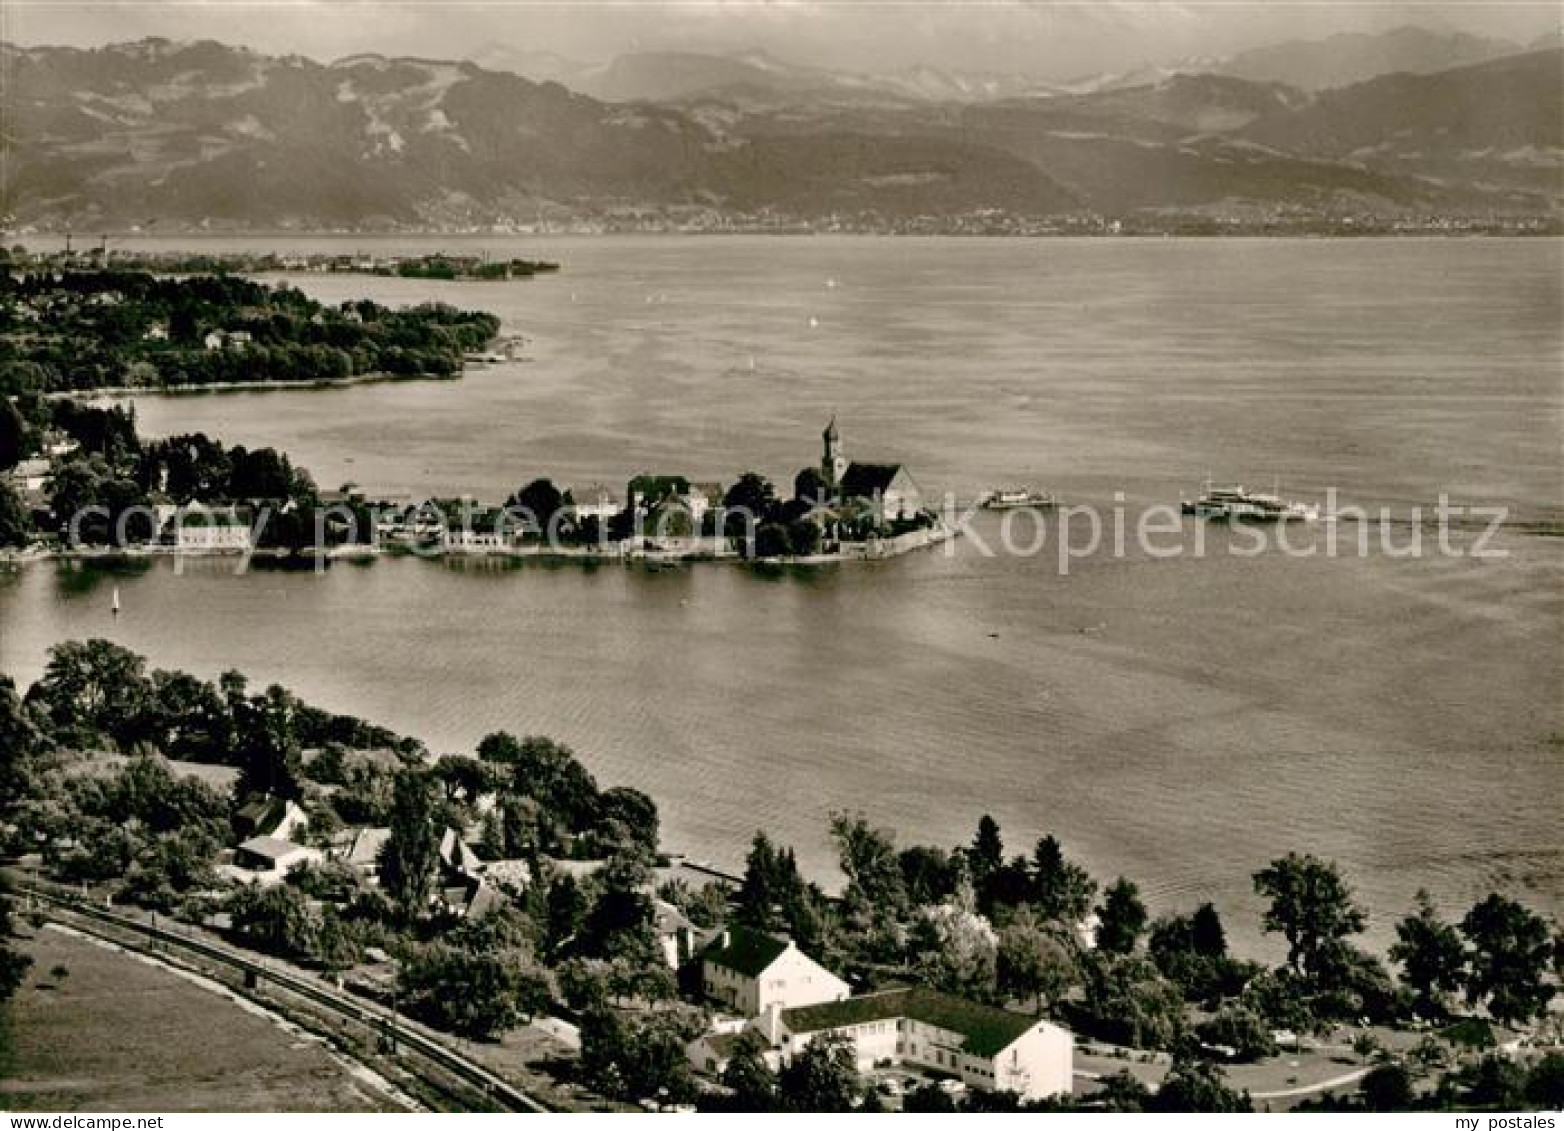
[[1039, 37]]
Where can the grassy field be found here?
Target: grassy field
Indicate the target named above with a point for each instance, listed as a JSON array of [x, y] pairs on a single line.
[[116, 1033]]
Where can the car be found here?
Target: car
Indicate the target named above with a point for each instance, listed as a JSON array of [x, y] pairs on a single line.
[[952, 1087], [890, 1086]]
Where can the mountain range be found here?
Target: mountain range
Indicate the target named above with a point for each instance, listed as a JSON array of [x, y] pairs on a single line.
[[181, 134]]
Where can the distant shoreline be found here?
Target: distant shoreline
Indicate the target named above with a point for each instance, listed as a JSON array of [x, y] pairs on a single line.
[[378, 377], [375, 378], [651, 560]]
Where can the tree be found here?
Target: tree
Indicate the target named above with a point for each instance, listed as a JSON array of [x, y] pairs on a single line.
[[339, 942], [809, 486], [1545, 1086], [1198, 1086], [548, 773], [751, 495], [1387, 1087], [1130, 1003], [987, 852], [276, 919], [1496, 1081], [1033, 964], [1207, 938], [463, 779], [630, 1061], [1120, 1092], [13, 963], [867, 856], [270, 760], [1312, 907], [1241, 1029], [803, 537], [1121, 919], [753, 1083], [929, 874], [821, 1077], [13, 435], [93, 690], [16, 524], [956, 948], [190, 719], [1282, 998], [1192, 951], [538, 501], [623, 910], [1061, 890], [1511, 951], [759, 892], [566, 910], [1431, 956], [477, 993], [21, 743], [627, 819], [774, 897], [412, 851]]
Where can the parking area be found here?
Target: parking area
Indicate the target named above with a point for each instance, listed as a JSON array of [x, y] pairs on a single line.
[[895, 1082]]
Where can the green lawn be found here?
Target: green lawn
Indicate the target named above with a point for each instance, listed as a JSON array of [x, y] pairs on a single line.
[[118, 1034]]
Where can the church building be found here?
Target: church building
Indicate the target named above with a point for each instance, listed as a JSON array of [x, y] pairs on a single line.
[[886, 489]]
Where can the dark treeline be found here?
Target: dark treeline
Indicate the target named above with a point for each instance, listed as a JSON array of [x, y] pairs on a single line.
[[80, 330], [102, 491]]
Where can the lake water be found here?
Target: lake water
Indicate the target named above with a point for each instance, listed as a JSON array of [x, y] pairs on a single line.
[[1180, 721]]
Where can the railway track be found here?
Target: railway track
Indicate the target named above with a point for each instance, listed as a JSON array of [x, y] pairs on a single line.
[[383, 1020]]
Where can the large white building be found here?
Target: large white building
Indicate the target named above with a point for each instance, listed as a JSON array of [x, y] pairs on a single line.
[[750, 971], [984, 1047], [199, 529]]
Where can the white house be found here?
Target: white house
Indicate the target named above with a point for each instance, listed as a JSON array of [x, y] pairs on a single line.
[[701, 498], [199, 529], [29, 478], [266, 860], [362, 851], [984, 1047], [710, 1053], [465, 540], [227, 339], [675, 933], [748, 971]]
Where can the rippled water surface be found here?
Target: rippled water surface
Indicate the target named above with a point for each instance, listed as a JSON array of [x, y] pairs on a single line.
[[1180, 720]]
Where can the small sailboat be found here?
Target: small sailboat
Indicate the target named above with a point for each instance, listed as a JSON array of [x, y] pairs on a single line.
[[114, 603]]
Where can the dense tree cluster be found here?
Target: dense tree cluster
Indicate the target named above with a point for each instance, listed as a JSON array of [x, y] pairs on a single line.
[[79, 329], [95, 694], [104, 490]]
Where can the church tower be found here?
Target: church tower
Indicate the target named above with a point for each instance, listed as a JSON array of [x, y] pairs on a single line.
[[833, 464]]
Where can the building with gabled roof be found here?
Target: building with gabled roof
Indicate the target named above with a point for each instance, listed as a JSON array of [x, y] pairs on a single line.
[[267, 860], [981, 1045], [750, 971], [885, 490], [269, 816]]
